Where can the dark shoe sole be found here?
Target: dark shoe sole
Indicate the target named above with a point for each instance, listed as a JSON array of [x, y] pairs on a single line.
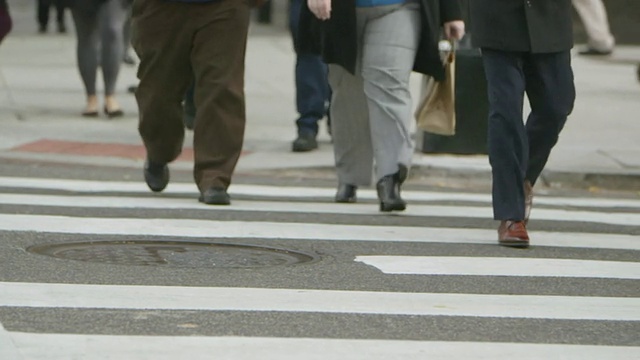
[[592, 52], [114, 114], [387, 207], [215, 200], [295, 148], [90, 114], [514, 243]]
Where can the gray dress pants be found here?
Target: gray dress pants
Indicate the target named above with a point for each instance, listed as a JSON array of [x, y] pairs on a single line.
[[371, 111]]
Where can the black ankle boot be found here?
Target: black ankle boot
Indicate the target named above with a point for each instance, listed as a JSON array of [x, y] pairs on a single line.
[[389, 191], [346, 193]]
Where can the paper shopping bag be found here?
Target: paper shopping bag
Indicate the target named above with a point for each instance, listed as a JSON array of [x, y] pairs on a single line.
[[437, 111]]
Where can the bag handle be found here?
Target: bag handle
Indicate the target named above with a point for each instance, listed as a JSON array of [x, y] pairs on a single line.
[[448, 48]]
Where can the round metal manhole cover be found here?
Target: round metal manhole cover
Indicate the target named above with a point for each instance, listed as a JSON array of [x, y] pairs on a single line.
[[174, 254]]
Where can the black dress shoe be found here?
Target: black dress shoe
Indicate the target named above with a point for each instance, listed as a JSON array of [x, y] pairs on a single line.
[[594, 52], [215, 196], [346, 193], [388, 189], [304, 142], [156, 175]]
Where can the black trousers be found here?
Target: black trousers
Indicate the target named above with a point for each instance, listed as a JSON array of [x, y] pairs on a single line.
[[43, 11], [519, 151]]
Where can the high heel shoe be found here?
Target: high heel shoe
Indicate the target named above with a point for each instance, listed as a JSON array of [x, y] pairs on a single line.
[[346, 193], [388, 188], [113, 113]]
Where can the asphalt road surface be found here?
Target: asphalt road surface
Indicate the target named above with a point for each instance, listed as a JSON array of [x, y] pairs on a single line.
[[95, 266]]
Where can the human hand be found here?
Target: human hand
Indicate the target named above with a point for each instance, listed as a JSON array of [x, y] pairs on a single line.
[[453, 29], [320, 8]]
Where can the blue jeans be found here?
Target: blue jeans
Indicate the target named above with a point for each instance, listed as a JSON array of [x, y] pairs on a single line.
[[312, 88]]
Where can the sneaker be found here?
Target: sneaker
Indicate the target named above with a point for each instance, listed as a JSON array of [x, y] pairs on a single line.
[[304, 142]]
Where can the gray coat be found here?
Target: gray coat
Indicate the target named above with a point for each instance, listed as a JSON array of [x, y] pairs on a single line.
[[537, 26]]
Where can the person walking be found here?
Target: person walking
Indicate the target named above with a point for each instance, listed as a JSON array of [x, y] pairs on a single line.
[[371, 48], [594, 18], [177, 42], [525, 49], [44, 7], [99, 27], [312, 87]]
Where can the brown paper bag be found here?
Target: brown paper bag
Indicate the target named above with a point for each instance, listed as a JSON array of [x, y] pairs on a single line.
[[437, 111]]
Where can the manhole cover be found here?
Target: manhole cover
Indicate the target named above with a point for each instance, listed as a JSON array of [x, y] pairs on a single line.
[[173, 254]]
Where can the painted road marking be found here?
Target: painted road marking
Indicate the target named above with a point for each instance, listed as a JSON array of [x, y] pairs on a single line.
[[102, 347], [209, 229], [89, 186], [502, 266], [320, 301]]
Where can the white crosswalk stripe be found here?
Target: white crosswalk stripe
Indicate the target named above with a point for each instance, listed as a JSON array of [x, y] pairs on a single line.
[[92, 186], [487, 266], [306, 207], [66, 346], [35, 206], [326, 301], [282, 230]]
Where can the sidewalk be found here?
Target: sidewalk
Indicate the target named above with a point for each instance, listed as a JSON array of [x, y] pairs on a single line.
[[41, 96]]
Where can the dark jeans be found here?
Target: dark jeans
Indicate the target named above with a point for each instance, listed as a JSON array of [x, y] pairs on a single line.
[[519, 152], [178, 42], [312, 87]]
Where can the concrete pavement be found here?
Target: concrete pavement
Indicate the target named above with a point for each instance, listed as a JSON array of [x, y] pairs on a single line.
[[41, 97]]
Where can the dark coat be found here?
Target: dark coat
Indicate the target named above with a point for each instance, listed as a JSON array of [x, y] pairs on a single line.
[[335, 39], [537, 26]]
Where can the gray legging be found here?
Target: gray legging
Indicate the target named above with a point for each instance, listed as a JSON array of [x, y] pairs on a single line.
[[100, 34]]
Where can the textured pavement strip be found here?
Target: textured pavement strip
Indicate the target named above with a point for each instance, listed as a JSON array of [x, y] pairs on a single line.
[[266, 191], [189, 228], [616, 218], [492, 266], [103, 347], [14, 294]]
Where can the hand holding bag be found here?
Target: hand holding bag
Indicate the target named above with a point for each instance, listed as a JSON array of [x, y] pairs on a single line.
[[437, 111]]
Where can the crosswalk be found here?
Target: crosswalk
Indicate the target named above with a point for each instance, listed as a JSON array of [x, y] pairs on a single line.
[[428, 283]]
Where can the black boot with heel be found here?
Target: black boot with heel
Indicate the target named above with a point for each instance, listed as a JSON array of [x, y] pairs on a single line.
[[388, 188]]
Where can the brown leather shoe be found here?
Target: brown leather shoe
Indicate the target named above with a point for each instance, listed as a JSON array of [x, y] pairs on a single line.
[[513, 234], [528, 200]]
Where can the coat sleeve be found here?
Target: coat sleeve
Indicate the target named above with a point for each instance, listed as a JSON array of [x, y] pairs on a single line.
[[450, 10], [309, 33]]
